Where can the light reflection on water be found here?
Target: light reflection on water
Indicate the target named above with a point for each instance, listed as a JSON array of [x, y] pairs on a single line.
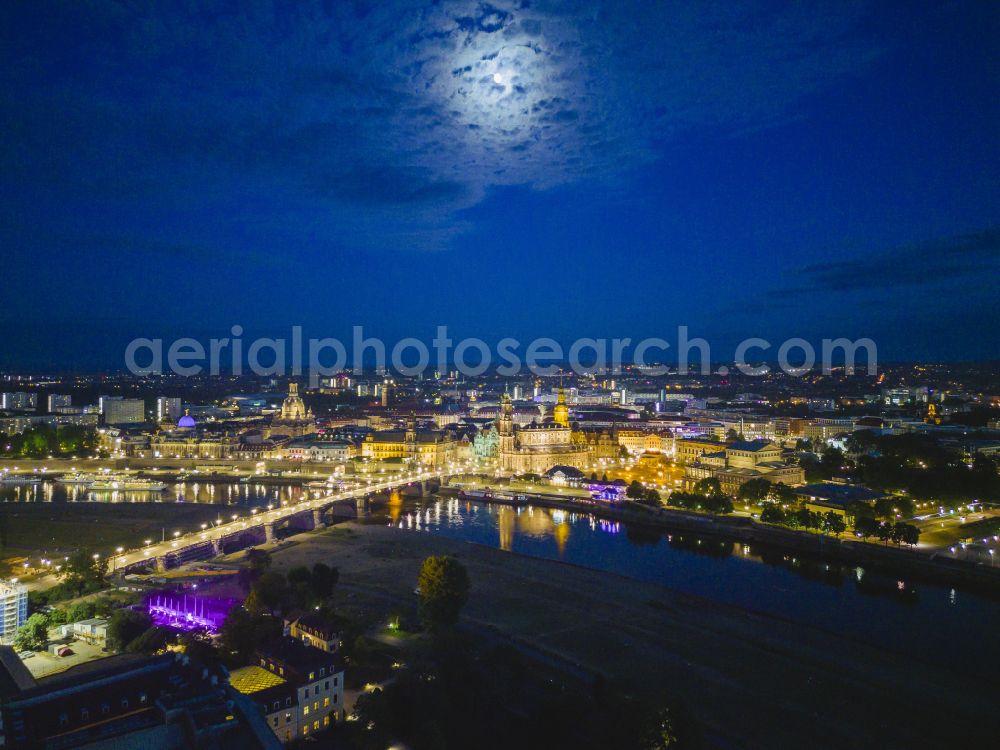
[[249, 494], [942, 624]]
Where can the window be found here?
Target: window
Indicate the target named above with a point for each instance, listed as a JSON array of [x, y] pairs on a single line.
[[288, 702], [312, 676], [322, 671], [142, 698], [84, 714], [305, 710], [326, 720], [326, 685], [274, 721], [277, 705], [316, 724], [124, 704], [316, 706], [63, 720], [335, 681], [305, 729], [326, 702], [288, 718], [316, 690]]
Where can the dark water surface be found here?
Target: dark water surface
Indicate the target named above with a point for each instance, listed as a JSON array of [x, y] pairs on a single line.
[[931, 623]]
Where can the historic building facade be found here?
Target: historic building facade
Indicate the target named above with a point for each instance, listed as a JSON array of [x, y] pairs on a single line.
[[536, 448], [295, 419], [425, 447]]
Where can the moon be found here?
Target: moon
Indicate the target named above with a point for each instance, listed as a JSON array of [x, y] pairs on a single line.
[[497, 78]]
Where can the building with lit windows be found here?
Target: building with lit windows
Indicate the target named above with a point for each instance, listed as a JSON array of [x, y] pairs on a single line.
[[294, 419], [537, 447], [13, 609], [424, 447], [741, 461], [298, 688]]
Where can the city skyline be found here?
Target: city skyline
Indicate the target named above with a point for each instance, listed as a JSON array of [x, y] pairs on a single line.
[[511, 169]]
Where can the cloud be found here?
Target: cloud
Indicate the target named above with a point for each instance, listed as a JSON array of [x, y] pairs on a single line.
[[965, 256], [385, 119]]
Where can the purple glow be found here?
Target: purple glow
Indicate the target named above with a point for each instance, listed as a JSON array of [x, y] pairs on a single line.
[[609, 493], [188, 611]]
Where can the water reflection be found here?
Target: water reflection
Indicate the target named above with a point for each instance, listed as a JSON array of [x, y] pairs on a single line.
[[841, 597], [251, 494]]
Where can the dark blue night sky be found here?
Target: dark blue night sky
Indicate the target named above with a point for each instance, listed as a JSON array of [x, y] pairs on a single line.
[[524, 169]]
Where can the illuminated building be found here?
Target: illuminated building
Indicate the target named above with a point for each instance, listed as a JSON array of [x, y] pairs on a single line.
[[167, 702], [535, 448], [298, 688], [13, 609], [741, 461], [424, 447], [123, 411], [168, 409], [294, 419]]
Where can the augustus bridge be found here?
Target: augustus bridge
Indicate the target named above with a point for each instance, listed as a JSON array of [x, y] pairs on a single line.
[[263, 525]]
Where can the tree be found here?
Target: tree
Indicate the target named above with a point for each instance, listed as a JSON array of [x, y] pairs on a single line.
[[806, 519], [718, 504], [444, 588], [772, 514], [754, 490], [34, 634], [832, 462], [884, 532], [834, 523], [124, 626], [866, 526], [324, 580], [708, 486], [905, 533], [782, 493], [635, 490], [81, 611], [890, 507], [84, 569], [272, 591], [258, 560]]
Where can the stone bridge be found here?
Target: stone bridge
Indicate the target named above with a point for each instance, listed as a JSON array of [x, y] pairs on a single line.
[[261, 526]]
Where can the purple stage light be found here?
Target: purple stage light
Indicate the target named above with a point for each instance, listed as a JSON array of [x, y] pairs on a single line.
[[188, 611]]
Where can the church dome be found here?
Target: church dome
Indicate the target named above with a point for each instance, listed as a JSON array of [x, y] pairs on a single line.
[[186, 422]]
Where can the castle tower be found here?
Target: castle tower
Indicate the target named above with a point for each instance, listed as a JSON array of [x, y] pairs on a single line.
[[505, 430], [410, 438], [560, 413]]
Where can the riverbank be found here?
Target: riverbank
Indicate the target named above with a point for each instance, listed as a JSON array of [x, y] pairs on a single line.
[[929, 566], [753, 680], [56, 529]]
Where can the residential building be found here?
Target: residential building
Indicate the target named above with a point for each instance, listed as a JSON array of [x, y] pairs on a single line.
[[298, 688], [162, 702], [19, 401], [168, 409], [118, 411], [56, 401], [13, 609]]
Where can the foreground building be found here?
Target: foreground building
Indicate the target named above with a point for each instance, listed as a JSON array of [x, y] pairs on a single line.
[[299, 689], [162, 702], [13, 609]]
